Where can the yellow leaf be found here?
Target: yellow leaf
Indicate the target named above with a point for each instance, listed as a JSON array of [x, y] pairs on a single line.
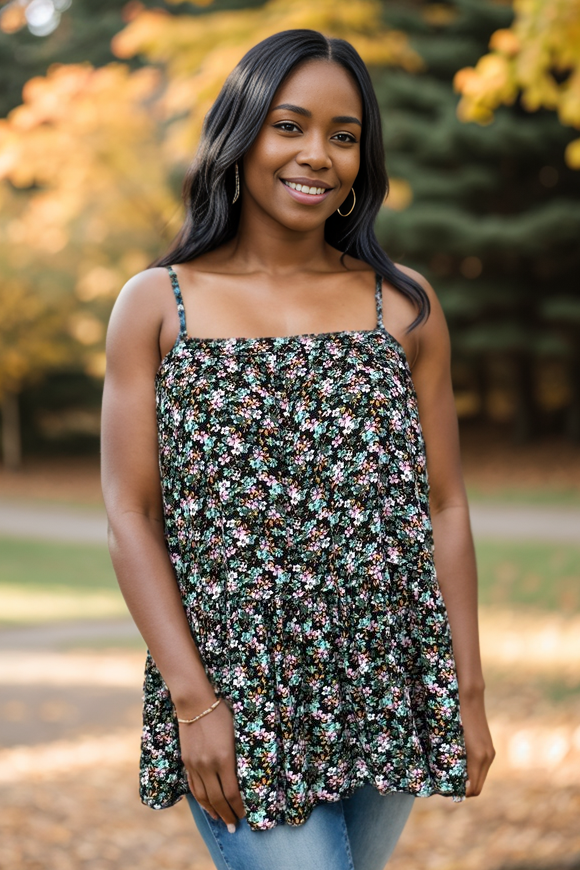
[[505, 41], [12, 18], [544, 37], [400, 194], [86, 328], [572, 154]]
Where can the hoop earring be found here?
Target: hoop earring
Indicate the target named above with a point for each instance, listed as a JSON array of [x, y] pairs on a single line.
[[237, 193], [353, 205]]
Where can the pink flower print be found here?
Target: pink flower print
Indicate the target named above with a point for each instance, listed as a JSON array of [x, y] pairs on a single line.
[[224, 490], [243, 766], [294, 493], [338, 472], [236, 442], [393, 554], [321, 437], [216, 399], [242, 536], [308, 580], [357, 515], [347, 422]]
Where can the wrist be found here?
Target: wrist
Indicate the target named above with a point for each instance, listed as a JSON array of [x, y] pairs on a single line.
[[189, 720], [190, 702]]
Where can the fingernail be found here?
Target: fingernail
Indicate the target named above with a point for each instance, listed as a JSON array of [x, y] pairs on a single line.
[[232, 828]]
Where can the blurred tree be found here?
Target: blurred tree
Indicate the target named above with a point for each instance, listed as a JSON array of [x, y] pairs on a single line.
[[83, 33], [91, 167], [31, 341], [492, 216], [91, 163], [538, 57], [199, 53], [86, 199]]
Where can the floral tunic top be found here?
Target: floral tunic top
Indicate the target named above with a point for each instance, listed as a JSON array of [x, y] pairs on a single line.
[[296, 504]]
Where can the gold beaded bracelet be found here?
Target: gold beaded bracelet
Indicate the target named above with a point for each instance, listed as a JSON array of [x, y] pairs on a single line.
[[205, 712]]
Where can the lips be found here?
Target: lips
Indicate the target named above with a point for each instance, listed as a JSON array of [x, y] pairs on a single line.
[[306, 198], [307, 185]]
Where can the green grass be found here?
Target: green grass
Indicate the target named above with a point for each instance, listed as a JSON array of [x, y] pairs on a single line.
[[41, 581], [55, 565], [540, 496], [539, 575]]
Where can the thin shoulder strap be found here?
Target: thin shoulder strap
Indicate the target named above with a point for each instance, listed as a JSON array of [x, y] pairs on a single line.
[[379, 300], [179, 300]]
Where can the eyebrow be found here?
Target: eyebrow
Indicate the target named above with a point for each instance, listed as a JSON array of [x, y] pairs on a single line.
[[299, 110]]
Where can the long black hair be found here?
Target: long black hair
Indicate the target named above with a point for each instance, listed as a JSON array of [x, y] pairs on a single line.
[[230, 128]]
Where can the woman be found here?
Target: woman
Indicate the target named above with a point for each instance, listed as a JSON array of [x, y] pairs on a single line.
[[265, 478]]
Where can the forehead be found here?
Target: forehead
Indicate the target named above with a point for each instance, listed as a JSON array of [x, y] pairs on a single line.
[[321, 86]]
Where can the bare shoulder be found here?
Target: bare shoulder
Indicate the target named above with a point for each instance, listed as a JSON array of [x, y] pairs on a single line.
[[144, 301], [146, 292], [142, 306], [432, 334]]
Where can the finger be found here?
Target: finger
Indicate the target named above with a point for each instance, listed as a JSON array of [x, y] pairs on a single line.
[[218, 800], [477, 773], [484, 770], [200, 794], [473, 780], [231, 790]]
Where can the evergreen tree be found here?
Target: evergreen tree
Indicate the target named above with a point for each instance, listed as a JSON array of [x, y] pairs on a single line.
[[493, 222]]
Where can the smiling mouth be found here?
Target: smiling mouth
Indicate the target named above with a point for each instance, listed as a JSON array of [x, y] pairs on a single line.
[[304, 188]]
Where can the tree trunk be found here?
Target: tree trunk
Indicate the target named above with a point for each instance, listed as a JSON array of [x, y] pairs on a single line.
[[524, 426], [11, 446], [481, 378], [572, 428]]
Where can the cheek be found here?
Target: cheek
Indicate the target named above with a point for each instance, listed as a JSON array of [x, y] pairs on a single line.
[[347, 164], [268, 155]]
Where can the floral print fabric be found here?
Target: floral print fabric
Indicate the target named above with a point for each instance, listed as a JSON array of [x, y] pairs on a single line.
[[296, 505]]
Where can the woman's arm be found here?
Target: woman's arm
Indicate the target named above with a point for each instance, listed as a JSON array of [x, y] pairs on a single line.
[[454, 550], [132, 493]]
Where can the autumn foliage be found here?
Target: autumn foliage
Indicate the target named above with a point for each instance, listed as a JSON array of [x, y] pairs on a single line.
[[537, 57], [91, 162], [89, 165], [199, 52]]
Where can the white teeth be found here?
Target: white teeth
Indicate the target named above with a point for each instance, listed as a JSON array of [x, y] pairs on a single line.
[[303, 188]]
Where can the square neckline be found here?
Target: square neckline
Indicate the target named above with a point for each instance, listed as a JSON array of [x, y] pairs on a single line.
[[184, 334], [232, 341]]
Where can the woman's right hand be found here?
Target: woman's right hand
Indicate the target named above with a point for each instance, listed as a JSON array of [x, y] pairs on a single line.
[[209, 755]]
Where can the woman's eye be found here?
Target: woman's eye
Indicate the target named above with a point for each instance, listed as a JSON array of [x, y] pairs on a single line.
[[291, 127], [285, 124], [349, 137]]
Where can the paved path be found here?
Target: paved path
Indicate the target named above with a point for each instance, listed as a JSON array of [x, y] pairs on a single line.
[[86, 525], [69, 633], [32, 520], [65, 680], [526, 522]]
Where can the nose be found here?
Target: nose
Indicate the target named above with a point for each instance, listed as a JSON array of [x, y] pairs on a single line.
[[314, 152]]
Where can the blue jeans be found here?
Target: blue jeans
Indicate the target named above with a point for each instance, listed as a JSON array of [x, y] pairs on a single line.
[[355, 833]]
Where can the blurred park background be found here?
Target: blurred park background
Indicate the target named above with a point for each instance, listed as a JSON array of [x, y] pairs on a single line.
[[100, 110]]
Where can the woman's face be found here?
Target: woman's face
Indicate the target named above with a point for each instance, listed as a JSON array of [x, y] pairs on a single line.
[[310, 137]]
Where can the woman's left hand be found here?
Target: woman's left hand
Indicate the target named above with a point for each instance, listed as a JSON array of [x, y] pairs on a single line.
[[478, 742]]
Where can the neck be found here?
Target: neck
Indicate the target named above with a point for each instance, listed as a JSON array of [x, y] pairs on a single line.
[[264, 245]]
